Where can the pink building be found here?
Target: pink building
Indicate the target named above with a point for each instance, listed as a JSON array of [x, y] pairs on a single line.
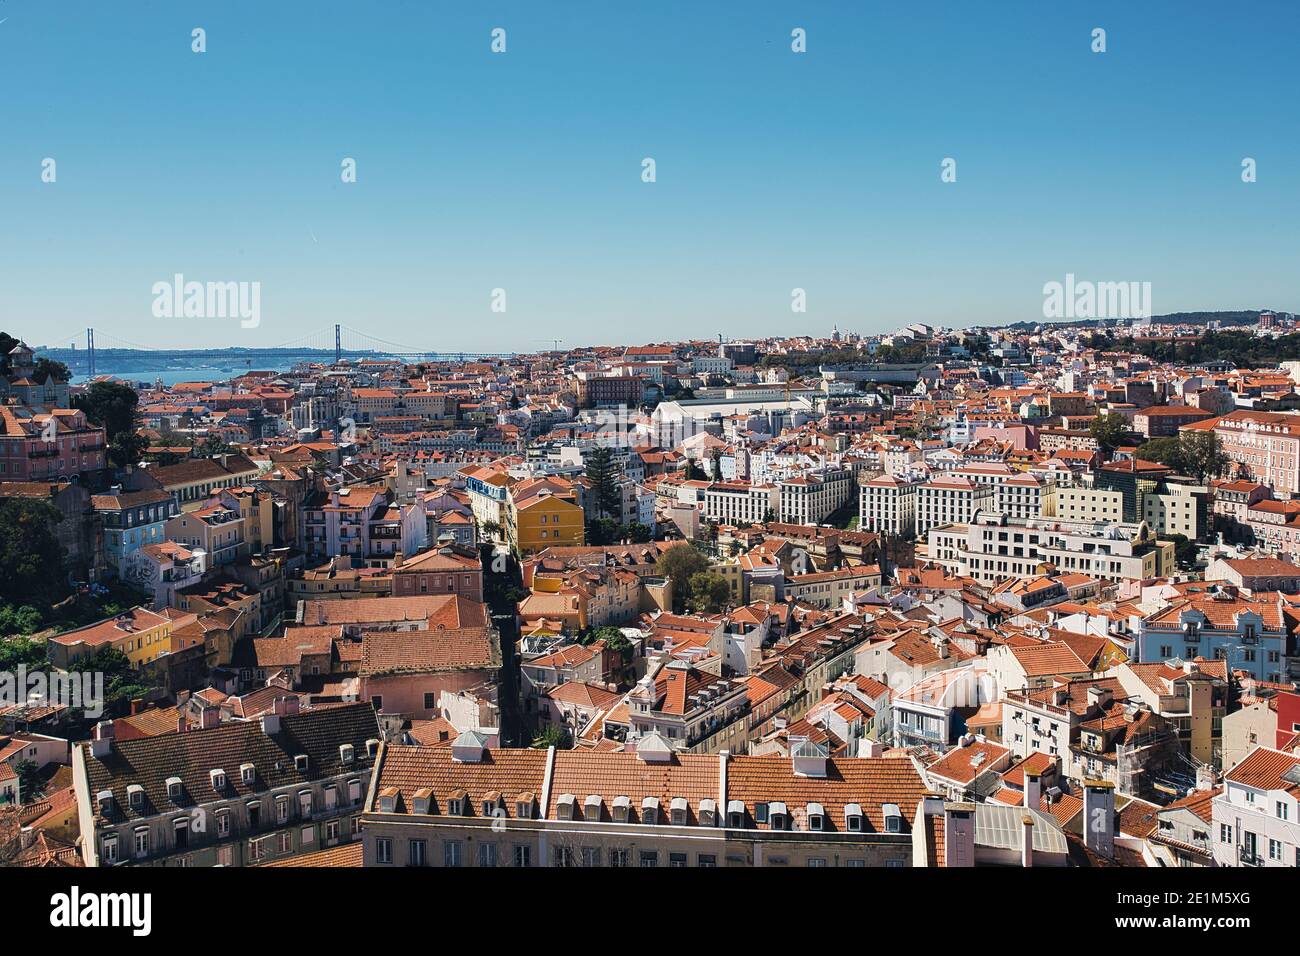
[[1264, 445], [41, 445]]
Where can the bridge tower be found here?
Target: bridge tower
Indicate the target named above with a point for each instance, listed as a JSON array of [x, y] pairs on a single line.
[[90, 353], [338, 344]]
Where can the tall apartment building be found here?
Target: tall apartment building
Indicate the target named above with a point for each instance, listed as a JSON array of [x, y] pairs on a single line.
[[887, 505], [809, 498], [733, 502], [951, 499], [1264, 445]]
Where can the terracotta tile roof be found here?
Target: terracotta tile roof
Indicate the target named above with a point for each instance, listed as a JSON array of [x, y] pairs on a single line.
[[449, 610], [509, 774], [422, 652], [345, 854], [1263, 770]]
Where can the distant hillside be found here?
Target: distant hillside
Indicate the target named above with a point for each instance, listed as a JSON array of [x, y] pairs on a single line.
[[1243, 317]]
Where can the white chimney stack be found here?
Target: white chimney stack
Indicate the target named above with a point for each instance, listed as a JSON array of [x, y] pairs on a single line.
[[1033, 789], [1099, 817]]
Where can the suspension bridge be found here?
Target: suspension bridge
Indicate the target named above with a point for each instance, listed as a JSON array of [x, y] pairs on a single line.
[[100, 352]]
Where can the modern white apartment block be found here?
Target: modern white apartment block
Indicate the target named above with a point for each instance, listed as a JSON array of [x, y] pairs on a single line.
[[950, 499], [734, 502], [808, 499], [993, 547], [887, 505]]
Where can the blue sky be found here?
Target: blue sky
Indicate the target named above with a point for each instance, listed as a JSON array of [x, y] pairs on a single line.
[[522, 171]]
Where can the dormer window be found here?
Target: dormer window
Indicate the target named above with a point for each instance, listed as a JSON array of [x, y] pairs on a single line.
[[591, 807], [388, 800], [816, 817], [491, 803], [677, 811], [421, 800], [372, 747], [893, 818], [778, 815], [458, 805], [346, 753], [736, 814], [708, 813], [247, 773], [135, 796], [650, 810], [104, 799], [218, 779], [564, 806], [300, 763], [174, 789], [761, 813], [853, 819], [524, 806], [622, 809]]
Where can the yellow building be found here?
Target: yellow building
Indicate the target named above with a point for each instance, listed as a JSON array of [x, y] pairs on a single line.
[[542, 513], [139, 633]]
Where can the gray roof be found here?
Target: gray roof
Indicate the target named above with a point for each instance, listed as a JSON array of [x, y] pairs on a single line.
[[1003, 827]]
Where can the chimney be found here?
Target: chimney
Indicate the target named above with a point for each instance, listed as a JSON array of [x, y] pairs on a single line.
[[137, 705], [270, 724], [1027, 850], [1033, 789], [102, 743], [1099, 817], [959, 834], [182, 724], [210, 717], [285, 706], [1205, 778]]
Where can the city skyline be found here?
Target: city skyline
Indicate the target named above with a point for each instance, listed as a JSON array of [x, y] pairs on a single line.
[[521, 171]]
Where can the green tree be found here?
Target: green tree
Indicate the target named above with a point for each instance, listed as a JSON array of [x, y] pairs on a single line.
[[213, 445], [1108, 430], [1167, 451], [603, 475], [708, 592], [638, 533], [614, 639], [127, 448], [31, 558], [47, 368], [603, 531], [552, 735], [694, 472], [31, 786], [122, 682], [677, 564], [1201, 454], [111, 405], [21, 651], [19, 620]]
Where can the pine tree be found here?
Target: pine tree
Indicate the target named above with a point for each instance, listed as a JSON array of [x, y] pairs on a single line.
[[604, 483]]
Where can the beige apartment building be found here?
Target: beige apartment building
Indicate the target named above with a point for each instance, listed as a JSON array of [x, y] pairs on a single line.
[[470, 805], [994, 547]]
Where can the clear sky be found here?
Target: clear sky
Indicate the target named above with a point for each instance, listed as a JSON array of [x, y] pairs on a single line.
[[523, 170]]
